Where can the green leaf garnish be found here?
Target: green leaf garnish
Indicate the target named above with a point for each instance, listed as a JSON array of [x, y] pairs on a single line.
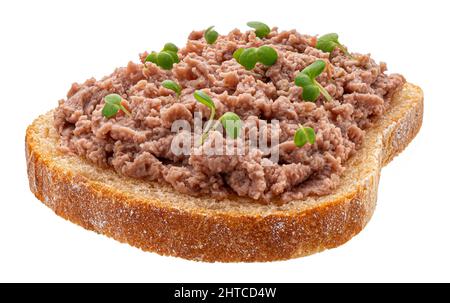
[[237, 53], [310, 93], [152, 57], [307, 80], [314, 69], [230, 121], [248, 58], [232, 124], [267, 55], [261, 29], [165, 60], [304, 135], [113, 103], [329, 42], [174, 56], [170, 47], [172, 85], [204, 99], [172, 50], [211, 35]]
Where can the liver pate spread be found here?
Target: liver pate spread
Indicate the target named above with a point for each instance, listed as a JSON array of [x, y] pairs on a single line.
[[139, 145]]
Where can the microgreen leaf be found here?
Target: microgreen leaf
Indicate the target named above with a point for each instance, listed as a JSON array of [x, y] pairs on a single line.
[[310, 135], [113, 103], [232, 124], [323, 91], [230, 121], [204, 99], [303, 80], [329, 42], [307, 80], [109, 111], [261, 29], [248, 58], [170, 47], [211, 35], [172, 85], [152, 57], [314, 69], [310, 93], [237, 53], [304, 135], [267, 55], [174, 56], [113, 99], [165, 60]]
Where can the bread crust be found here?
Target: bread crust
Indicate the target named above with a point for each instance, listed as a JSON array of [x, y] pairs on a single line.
[[240, 233]]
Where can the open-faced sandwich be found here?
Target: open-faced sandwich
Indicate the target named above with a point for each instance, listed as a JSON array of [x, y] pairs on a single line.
[[252, 146]]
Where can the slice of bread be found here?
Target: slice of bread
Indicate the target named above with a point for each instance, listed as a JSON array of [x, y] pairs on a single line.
[[156, 218]]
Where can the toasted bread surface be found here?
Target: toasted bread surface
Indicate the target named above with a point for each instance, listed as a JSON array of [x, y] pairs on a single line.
[[156, 218]]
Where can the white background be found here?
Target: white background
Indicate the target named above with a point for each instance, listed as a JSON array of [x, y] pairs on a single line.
[[47, 45]]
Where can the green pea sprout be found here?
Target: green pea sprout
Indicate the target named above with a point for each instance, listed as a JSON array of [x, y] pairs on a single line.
[[113, 103], [304, 135], [230, 121], [329, 42], [211, 35], [170, 47], [267, 55], [166, 58], [237, 53], [172, 85], [206, 100], [307, 80], [232, 124], [174, 56], [248, 57], [261, 29], [152, 57]]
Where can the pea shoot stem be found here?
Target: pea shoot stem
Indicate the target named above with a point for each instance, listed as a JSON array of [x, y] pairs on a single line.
[[211, 119], [344, 49], [304, 135], [207, 130], [113, 104], [125, 111], [204, 99], [213, 127], [209, 125], [323, 91]]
